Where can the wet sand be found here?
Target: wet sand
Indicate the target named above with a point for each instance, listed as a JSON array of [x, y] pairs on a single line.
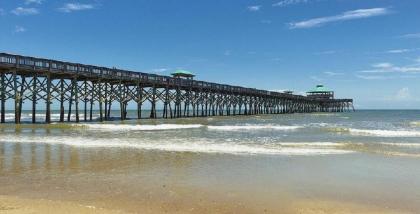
[[43, 178], [15, 205]]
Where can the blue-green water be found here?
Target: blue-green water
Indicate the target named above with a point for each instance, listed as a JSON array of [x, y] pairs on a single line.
[[381, 132]]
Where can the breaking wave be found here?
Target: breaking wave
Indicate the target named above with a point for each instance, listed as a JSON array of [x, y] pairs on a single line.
[[385, 133], [375, 132], [196, 146], [254, 127], [414, 145], [126, 127]]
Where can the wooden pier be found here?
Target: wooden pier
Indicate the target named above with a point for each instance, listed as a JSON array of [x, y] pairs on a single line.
[[77, 88]]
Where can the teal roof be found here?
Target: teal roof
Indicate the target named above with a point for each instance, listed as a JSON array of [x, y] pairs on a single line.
[[183, 73], [320, 89]]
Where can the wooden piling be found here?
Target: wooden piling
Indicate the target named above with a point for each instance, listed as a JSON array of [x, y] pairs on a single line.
[[3, 97], [62, 92], [106, 101], [139, 99], [120, 94], [85, 100], [110, 103], [16, 97], [153, 103], [92, 91], [34, 99], [76, 98], [48, 101], [70, 100], [101, 116]]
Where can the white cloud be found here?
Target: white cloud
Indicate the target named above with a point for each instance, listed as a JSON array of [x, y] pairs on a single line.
[[33, 2], [159, 70], [386, 67], [407, 69], [227, 53], [316, 78], [254, 8], [70, 7], [21, 11], [403, 50], [383, 65], [329, 73], [397, 51], [411, 36], [289, 2], [372, 77], [372, 71], [348, 15], [19, 29], [403, 94], [2, 13]]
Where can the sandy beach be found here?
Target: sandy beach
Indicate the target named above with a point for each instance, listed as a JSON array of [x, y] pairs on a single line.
[[124, 181], [270, 164], [15, 205]]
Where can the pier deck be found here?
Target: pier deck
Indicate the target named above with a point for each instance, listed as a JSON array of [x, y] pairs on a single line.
[[78, 87]]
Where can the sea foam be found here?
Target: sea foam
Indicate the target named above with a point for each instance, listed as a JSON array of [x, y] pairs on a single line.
[[402, 144], [126, 127], [384, 133], [254, 127], [195, 146]]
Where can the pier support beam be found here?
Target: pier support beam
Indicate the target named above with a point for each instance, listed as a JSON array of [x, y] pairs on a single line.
[[120, 95], [110, 102], [16, 96], [70, 100], [3, 97], [62, 92], [101, 116], [153, 103], [139, 99], [48, 101], [106, 101], [92, 99], [85, 100], [21, 97], [76, 98], [34, 98]]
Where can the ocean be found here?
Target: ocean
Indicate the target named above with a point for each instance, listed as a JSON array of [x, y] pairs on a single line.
[[368, 157], [374, 131]]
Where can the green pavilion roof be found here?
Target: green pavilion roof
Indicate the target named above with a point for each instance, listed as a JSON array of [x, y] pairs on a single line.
[[320, 89], [183, 73]]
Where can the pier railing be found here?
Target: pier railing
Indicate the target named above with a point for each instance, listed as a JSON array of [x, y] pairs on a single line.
[[33, 64]]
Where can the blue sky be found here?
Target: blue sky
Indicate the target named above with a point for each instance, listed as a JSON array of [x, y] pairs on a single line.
[[367, 50]]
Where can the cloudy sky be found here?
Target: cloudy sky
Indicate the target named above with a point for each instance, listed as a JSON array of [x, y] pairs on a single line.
[[367, 50]]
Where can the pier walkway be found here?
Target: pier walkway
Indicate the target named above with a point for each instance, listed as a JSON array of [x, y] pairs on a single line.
[[78, 88]]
